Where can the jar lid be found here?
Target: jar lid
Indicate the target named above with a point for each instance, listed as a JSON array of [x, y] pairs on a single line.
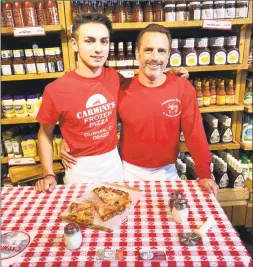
[[18, 97], [6, 97], [194, 3], [180, 204], [32, 97], [71, 228], [181, 5]]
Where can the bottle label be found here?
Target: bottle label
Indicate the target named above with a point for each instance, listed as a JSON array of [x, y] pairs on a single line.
[[19, 69], [207, 13], [231, 40], [191, 59], [51, 67], [230, 99], [204, 58], [8, 110], [241, 12], [8, 146], [59, 66], [221, 100], [16, 147], [53, 15], [218, 41], [228, 136], [220, 58], [196, 14], [121, 63], [175, 60], [239, 181], [174, 43], [42, 67], [213, 99], [6, 70], [215, 137], [233, 57], [181, 15], [20, 109], [230, 13], [248, 98], [248, 135], [200, 101], [203, 42], [112, 63], [8, 18], [189, 43], [219, 13], [30, 15], [170, 16], [32, 108], [130, 63], [224, 181], [31, 68], [206, 100]]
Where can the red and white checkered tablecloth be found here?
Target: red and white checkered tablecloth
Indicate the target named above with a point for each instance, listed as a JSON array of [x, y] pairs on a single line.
[[149, 225]]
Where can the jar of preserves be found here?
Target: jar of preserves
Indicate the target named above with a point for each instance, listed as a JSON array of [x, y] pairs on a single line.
[[18, 14], [59, 62], [128, 11], [218, 53], [52, 11], [30, 65], [137, 13], [204, 55], [158, 11], [219, 10], [241, 10], [30, 15], [230, 10], [40, 61], [18, 62], [148, 12], [190, 57], [181, 11], [119, 14], [170, 11], [7, 13], [207, 10], [41, 12], [109, 11], [194, 10], [51, 60], [232, 51], [175, 55], [6, 62]]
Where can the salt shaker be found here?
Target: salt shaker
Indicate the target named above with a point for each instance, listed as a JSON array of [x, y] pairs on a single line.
[[173, 197], [72, 236], [180, 211]]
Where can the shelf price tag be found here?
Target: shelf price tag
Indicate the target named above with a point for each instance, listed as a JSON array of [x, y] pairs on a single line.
[[21, 161], [127, 73], [217, 24], [29, 31]]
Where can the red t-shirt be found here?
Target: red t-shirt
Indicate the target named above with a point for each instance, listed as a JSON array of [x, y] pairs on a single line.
[[152, 119], [85, 109]]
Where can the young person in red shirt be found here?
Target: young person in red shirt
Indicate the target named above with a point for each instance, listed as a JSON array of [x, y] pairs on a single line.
[[84, 102]]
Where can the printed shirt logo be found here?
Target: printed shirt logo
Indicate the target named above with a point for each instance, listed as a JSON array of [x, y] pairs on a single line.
[[172, 107]]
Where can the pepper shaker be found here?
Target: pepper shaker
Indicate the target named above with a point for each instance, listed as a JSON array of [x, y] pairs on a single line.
[[173, 197], [72, 236], [180, 211]]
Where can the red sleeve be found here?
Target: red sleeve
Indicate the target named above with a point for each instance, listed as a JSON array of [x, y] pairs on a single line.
[[194, 133], [48, 113]]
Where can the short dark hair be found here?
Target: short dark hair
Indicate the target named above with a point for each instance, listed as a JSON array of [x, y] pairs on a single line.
[[83, 18], [153, 28]]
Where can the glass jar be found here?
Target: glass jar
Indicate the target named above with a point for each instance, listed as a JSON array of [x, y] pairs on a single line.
[[72, 236], [18, 14], [137, 12], [219, 10], [51, 60], [158, 12], [194, 10], [40, 60], [30, 16], [30, 65], [18, 62], [148, 12], [52, 11], [241, 10], [170, 12], [180, 211], [181, 11], [6, 62], [207, 10], [230, 10]]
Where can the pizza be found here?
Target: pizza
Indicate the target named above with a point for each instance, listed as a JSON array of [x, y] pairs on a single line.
[[107, 211]]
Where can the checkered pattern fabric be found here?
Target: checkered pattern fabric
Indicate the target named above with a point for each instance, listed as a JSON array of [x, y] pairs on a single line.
[[150, 224]]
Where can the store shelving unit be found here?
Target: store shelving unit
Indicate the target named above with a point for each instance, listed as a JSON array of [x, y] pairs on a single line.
[[48, 28], [18, 120], [32, 76], [37, 159]]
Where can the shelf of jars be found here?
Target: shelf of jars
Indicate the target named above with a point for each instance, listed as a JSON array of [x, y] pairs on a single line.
[[225, 108], [18, 120], [233, 145], [246, 146], [248, 109], [4, 160], [32, 76], [48, 28]]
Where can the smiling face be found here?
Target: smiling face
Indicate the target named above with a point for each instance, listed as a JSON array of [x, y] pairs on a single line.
[[153, 54], [92, 45]]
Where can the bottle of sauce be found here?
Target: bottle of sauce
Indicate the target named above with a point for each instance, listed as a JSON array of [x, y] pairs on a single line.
[[232, 50], [18, 14], [52, 11], [128, 11], [230, 10], [206, 94], [237, 180], [222, 179], [51, 60], [111, 61], [175, 56], [190, 57], [230, 93], [109, 11], [241, 10], [121, 62], [221, 96], [41, 12], [87, 7], [207, 10], [194, 10], [211, 168], [129, 57], [100, 7], [6, 62], [199, 94], [211, 129], [30, 65], [170, 11], [137, 13], [248, 92], [136, 62], [158, 12], [218, 54], [29, 12], [18, 62], [2, 15], [213, 93], [219, 10], [204, 56], [40, 61], [226, 134], [7, 13], [181, 11], [148, 12], [120, 14], [59, 62]]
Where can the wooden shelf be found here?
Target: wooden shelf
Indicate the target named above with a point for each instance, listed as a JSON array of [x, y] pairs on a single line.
[[248, 109], [225, 108], [5, 159], [246, 146], [48, 28], [174, 24], [233, 145], [32, 76], [250, 68], [17, 120]]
